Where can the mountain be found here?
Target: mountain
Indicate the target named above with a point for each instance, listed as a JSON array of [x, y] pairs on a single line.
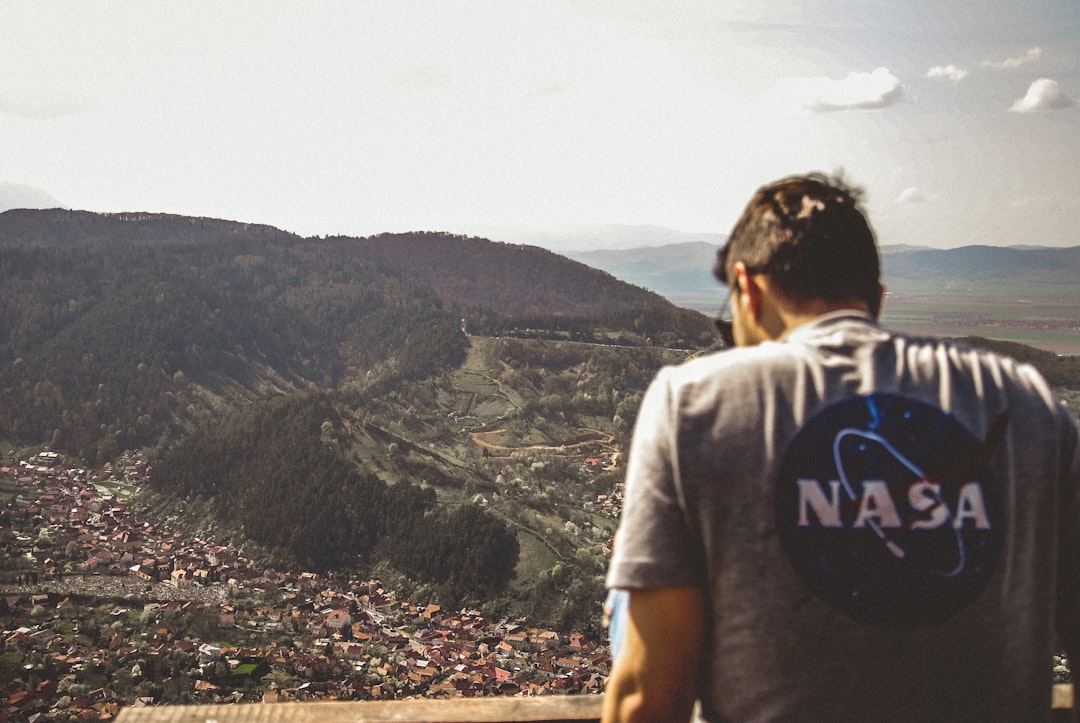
[[515, 280], [15, 195], [686, 268], [440, 411], [1026, 294], [61, 227], [672, 270], [606, 237], [417, 404], [985, 264], [115, 327]]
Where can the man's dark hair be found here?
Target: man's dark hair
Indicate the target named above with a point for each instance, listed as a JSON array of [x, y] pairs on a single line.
[[810, 236]]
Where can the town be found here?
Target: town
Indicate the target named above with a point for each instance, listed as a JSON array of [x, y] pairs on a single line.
[[101, 610]]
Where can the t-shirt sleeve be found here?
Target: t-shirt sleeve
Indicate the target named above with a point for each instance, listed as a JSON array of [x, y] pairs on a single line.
[[653, 546], [1068, 594]]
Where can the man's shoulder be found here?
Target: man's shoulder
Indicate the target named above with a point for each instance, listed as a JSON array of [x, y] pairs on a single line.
[[821, 345], [737, 365], [964, 354]]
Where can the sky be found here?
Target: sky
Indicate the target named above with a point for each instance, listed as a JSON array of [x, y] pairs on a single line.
[[959, 119]]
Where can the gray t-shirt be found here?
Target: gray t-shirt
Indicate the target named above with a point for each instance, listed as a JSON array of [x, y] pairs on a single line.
[[881, 525]]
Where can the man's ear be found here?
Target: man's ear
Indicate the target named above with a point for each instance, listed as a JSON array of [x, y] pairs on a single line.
[[747, 289]]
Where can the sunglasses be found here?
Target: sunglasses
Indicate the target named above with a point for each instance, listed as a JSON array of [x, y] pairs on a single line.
[[723, 326], [722, 322]]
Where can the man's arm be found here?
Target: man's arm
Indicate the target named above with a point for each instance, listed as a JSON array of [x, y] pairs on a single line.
[[1068, 592], [656, 675]]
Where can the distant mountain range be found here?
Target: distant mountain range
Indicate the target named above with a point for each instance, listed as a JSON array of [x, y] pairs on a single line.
[[597, 238], [985, 265], [677, 271], [17, 195], [682, 272]]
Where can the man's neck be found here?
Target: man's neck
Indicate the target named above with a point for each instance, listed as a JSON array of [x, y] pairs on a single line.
[[794, 316]]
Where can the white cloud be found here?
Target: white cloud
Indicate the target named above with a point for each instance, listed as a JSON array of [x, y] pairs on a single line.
[[1029, 56], [911, 194], [1043, 95], [856, 91], [947, 72]]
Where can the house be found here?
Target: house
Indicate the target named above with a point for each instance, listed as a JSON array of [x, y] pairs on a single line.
[[19, 639], [547, 639], [139, 572], [517, 639], [338, 620], [208, 652]]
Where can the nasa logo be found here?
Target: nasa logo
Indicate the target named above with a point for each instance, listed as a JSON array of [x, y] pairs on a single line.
[[887, 510]]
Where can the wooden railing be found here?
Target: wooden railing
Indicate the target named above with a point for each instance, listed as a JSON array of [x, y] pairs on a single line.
[[542, 709]]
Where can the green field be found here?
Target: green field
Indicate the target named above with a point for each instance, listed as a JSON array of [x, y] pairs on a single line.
[[1044, 315]]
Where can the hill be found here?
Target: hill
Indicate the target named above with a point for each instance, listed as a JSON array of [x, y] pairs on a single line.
[[681, 272], [686, 267], [121, 330], [984, 265], [63, 227], [570, 241], [502, 287], [319, 402], [16, 195], [517, 280], [316, 401]]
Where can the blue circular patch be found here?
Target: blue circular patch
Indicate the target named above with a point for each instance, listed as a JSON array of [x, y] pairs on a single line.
[[887, 510]]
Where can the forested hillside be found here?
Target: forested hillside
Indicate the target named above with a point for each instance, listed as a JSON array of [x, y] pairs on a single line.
[[115, 345], [448, 414], [275, 471], [317, 401], [62, 227], [118, 331], [502, 286]]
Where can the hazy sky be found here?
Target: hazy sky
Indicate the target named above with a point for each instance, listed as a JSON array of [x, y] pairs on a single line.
[[959, 118]]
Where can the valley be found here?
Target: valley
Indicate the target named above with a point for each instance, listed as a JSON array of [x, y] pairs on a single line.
[[101, 609], [431, 422], [1022, 294], [1053, 326]]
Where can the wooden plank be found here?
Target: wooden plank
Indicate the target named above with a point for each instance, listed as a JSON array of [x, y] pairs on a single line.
[[555, 708], [1062, 697], [544, 709]]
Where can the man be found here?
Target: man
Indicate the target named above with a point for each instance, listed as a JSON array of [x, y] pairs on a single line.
[[834, 522]]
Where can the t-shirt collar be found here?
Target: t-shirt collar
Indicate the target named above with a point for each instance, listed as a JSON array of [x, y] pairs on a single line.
[[829, 322]]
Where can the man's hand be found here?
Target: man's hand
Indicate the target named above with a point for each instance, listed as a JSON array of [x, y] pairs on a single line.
[[656, 675]]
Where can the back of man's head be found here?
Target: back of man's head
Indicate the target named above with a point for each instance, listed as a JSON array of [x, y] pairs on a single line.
[[810, 236]]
